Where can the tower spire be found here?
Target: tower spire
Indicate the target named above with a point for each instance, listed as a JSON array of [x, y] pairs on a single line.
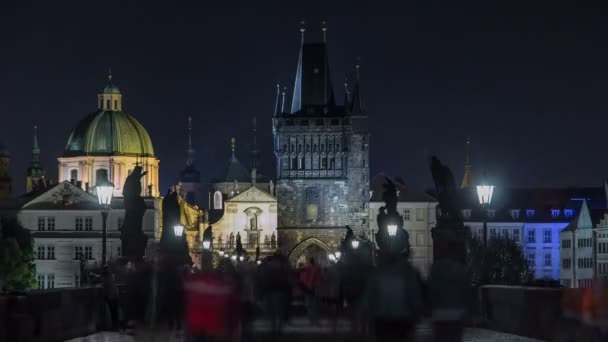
[[35, 148], [324, 29], [109, 74], [190, 152], [233, 146], [467, 178], [277, 105], [357, 102], [296, 100], [283, 101], [346, 95], [254, 149]]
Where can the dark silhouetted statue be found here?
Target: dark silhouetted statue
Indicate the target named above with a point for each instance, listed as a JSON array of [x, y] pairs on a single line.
[[133, 239], [449, 234], [170, 244], [389, 216], [446, 191]]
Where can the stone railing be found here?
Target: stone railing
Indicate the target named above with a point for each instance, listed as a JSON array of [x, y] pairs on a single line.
[[525, 311], [51, 315]]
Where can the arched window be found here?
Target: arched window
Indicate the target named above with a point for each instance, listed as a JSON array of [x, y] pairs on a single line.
[[115, 104], [217, 201], [107, 104], [73, 175]]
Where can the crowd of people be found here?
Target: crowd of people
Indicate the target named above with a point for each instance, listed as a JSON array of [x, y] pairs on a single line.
[[222, 300]]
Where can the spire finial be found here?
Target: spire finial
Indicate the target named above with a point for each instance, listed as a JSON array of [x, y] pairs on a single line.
[[190, 131], [302, 29], [283, 102], [233, 145], [35, 149], [467, 178], [346, 95], [324, 29], [357, 67], [254, 149], [276, 105], [109, 74]]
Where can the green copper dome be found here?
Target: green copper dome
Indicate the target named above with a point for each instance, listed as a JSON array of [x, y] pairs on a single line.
[[110, 89], [109, 132]]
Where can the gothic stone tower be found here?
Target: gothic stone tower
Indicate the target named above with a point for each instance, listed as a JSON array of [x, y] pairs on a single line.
[[322, 153]]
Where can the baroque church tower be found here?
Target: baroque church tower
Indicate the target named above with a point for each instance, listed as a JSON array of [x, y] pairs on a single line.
[[322, 153], [190, 176], [35, 177]]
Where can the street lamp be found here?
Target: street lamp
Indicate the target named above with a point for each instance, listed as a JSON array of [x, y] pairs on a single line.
[[233, 258], [332, 257], [392, 230], [241, 258], [104, 189], [354, 243], [484, 192], [338, 255], [206, 245], [221, 252], [178, 230]]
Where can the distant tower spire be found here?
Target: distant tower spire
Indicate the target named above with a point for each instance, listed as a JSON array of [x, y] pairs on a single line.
[[324, 29], [233, 146], [190, 152], [35, 148], [346, 95], [254, 149], [357, 102], [35, 176], [277, 106], [467, 178], [283, 101], [109, 74], [296, 100]]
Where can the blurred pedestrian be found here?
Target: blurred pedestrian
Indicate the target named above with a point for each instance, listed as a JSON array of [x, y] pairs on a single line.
[[212, 303], [310, 279], [275, 290], [393, 299], [449, 292], [110, 294]]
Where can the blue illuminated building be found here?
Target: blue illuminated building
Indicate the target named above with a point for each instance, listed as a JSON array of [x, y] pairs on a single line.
[[534, 217]]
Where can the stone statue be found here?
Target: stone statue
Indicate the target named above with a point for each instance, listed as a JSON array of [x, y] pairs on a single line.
[[446, 191], [133, 239], [273, 240], [271, 187], [388, 216], [231, 241]]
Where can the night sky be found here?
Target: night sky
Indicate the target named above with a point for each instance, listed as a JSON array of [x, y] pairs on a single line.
[[527, 84]]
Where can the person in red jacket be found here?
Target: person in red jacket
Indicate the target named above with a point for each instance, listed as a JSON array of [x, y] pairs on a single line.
[[212, 305], [310, 279]]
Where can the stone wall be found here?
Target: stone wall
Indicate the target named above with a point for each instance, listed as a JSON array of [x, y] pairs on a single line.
[[525, 311], [51, 315]]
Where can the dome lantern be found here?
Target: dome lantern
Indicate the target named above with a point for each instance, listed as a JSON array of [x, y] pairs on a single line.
[[109, 98]]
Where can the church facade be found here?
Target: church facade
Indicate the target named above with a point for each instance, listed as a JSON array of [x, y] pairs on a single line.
[[322, 156]]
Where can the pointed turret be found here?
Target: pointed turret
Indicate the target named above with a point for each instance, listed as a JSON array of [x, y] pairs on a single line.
[[190, 152], [357, 102], [346, 96], [254, 145], [35, 176], [109, 98], [277, 105], [312, 91], [467, 178]]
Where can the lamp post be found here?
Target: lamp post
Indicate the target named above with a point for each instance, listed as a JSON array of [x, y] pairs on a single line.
[[206, 245], [104, 190], [484, 192], [354, 243], [178, 230]]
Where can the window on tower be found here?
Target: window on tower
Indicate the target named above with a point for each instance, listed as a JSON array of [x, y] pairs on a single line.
[[324, 163], [115, 104], [107, 104], [301, 163], [217, 200], [294, 163]]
